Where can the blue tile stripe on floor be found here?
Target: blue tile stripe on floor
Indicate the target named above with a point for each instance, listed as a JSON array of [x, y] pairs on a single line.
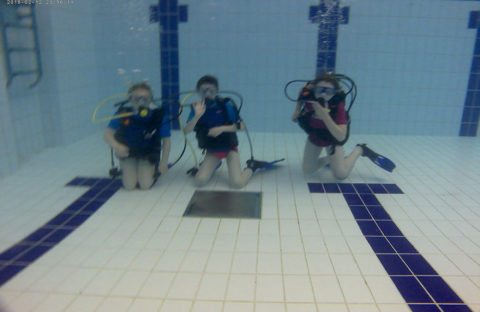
[[28, 250], [420, 285]]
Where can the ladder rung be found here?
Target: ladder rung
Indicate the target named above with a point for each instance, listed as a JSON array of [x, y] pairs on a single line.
[[24, 72], [12, 25], [21, 50]]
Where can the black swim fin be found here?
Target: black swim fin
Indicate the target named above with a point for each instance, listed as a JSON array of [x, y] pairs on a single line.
[[258, 164], [379, 160]]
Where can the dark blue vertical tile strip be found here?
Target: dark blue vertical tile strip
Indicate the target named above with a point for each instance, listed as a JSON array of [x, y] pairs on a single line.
[[328, 15], [25, 252], [169, 14], [420, 285], [471, 108]]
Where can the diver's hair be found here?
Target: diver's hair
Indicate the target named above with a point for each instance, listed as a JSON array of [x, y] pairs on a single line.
[[207, 79], [327, 77], [140, 85]]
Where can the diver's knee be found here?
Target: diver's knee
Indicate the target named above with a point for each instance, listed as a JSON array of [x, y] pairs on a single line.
[[237, 184], [340, 175], [129, 185], [145, 185], [200, 180], [307, 169]]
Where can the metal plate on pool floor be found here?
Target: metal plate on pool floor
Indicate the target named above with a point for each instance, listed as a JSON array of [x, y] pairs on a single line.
[[225, 204]]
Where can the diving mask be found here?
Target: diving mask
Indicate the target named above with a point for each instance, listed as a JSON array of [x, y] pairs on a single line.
[[324, 90]]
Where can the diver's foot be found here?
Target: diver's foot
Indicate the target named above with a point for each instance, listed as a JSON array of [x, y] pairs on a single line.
[[256, 164], [192, 171], [367, 152], [379, 160]]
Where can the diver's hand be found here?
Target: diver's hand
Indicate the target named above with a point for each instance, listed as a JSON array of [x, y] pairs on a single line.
[[295, 116], [199, 108], [121, 150], [321, 112], [214, 132]]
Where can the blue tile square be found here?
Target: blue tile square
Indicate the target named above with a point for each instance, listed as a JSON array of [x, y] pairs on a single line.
[[90, 194], [370, 199], [60, 219], [378, 212], [92, 206], [173, 40], [470, 99], [57, 236], [116, 184], [424, 308], [33, 254], [394, 265], [7, 272], [362, 188], [439, 289], [418, 265], [76, 205], [154, 13], [360, 212], [377, 188], [474, 81], [76, 182], [103, 183], [172, 23], [455, 308], [313, 11], [105, 195], [401, 244], [474, 20], [345, 15], [183, 13], [77, 220], [331, 188], [411, 290], [13, 252], [353, 199], [38, 235], [89, 181], [369, 228], [379, 244], [346, 188], [389, 228], [392, 189], [316, 187]]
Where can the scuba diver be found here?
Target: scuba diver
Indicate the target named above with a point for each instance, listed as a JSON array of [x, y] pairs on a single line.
[[139, 137], [320, 111], [215, 121]]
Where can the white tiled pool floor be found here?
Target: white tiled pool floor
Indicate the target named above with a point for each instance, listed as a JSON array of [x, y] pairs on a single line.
[[307, 253]]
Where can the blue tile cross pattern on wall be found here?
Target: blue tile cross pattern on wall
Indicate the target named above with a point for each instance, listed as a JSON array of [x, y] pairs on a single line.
[[169, 14], [420, 285], [328, 17], [471, 108], [32, 247]]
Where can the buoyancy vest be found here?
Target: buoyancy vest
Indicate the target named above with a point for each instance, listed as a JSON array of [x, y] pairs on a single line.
[[140, 133], [305, 118], [224, 141]]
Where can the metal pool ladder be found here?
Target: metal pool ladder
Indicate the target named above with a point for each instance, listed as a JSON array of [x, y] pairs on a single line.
[[20, 38]]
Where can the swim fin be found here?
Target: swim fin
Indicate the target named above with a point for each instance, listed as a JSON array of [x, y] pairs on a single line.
[[258, 164], [379, 160]]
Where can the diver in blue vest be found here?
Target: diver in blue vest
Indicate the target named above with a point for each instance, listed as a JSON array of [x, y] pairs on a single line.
[[139, 138], [215, 121]]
